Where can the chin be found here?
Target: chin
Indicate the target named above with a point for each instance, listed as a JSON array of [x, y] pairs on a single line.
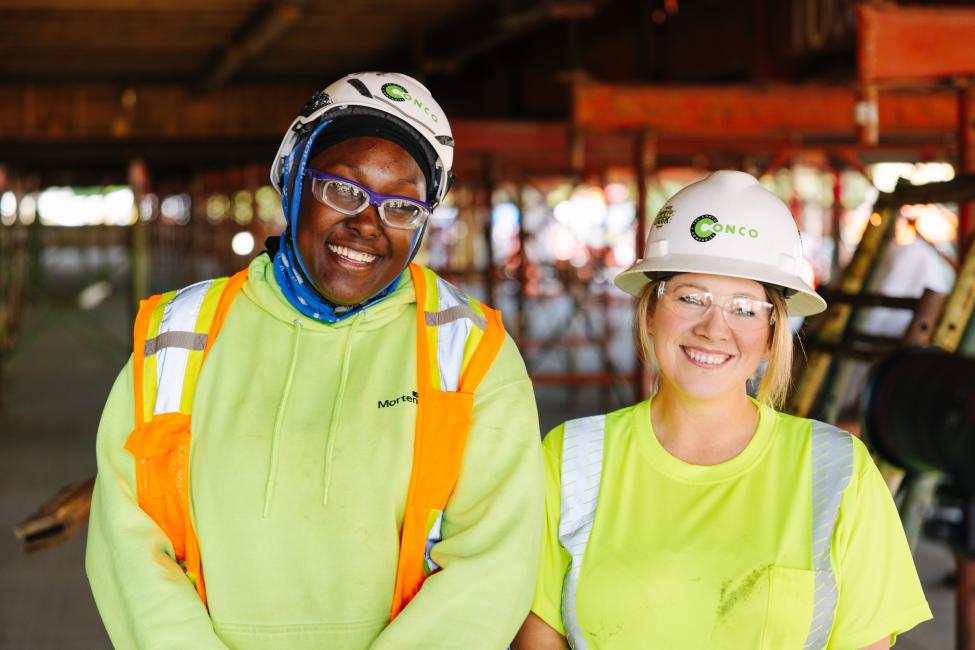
[[708, 393], [706, 389], [340, 294]]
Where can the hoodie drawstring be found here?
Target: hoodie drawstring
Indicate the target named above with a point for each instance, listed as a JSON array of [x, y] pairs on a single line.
[[333, 425], [272, 470]]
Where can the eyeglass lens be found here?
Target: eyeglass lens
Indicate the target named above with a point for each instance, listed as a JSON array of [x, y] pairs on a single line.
[[740, 312], [347, 198]]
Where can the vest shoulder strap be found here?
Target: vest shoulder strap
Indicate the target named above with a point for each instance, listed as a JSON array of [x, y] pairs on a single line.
[[461, 335], [172, 335], [458, 339]]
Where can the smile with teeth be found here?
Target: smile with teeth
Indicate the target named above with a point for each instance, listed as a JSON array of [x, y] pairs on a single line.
[[706, 359], [354, 255]]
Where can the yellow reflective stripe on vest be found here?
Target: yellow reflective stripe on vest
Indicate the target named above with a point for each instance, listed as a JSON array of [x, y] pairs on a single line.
[[194, 361], [477, 333], [429, 307], [149, 374], [174, 347]]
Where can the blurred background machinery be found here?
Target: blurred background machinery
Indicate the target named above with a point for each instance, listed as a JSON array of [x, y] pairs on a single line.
[[135, 142]]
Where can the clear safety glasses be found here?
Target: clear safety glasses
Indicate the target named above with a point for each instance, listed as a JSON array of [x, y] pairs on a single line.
[[742, 313], [348, 197]]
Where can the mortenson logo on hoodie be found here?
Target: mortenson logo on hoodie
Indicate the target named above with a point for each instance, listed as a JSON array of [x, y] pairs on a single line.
[[411, 398]]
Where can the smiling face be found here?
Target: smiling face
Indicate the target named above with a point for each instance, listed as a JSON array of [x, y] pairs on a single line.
[[350, 258], [705, 358]]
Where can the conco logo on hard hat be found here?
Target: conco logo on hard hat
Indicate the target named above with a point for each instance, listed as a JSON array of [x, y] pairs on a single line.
[[398, 93], [706, 227]]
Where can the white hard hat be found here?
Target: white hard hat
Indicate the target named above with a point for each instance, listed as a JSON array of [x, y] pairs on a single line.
[[402, 100], [726, 224]]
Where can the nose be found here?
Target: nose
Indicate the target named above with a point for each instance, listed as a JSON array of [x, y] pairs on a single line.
[[366, 224], [714, 325]]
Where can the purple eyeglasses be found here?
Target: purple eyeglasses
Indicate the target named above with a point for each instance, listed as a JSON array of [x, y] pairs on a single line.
[[348, 197]]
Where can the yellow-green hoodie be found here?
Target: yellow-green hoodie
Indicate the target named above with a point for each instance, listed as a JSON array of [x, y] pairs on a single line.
[[301, 455]]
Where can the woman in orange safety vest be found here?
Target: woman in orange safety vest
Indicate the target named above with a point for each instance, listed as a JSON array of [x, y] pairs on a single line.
[[354, 461]]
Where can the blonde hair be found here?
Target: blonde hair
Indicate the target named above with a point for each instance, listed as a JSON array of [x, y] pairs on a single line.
[[776, 381]]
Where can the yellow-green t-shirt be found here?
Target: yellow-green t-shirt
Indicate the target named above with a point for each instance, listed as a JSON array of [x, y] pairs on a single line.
[[688, 556]]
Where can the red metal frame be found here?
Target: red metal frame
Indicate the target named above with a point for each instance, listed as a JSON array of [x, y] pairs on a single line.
[[909, 43]]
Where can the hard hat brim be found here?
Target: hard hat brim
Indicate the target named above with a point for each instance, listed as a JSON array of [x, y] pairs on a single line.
[[804, 302]]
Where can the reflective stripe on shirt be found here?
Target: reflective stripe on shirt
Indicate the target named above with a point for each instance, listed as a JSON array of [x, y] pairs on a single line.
[[832, 467], [582, 464]]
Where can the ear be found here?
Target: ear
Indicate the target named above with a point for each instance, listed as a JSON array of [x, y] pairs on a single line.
[[650, 324]]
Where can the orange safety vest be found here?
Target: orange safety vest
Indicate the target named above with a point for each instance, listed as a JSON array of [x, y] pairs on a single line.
[[457, 341]]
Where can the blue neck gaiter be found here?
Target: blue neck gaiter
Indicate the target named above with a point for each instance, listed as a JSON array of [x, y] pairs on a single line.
[[302, 294]]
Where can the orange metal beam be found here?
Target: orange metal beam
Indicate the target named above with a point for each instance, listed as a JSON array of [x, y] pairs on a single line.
[[802, 113], [911, 43], [40, 124]]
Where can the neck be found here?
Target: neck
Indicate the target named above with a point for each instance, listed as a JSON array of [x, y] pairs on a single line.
[[702, 432]]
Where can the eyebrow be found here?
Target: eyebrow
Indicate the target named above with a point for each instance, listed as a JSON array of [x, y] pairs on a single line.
[[355, 169]]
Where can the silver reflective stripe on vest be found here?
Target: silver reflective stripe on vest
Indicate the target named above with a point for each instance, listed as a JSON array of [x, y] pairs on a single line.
[[185, 340], [439, 318], [832, 467], [451, 333], [179, 316], [582, 464]]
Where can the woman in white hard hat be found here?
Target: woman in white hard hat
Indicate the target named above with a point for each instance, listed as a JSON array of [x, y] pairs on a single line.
[[702, 518], [365, 468]]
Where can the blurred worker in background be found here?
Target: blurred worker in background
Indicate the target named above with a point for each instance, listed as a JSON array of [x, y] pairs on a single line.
[[702, 518], [360, 427]]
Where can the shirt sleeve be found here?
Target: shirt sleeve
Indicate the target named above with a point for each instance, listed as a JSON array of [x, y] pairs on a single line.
[[880, 594], [491, 527], [144, 598], [555, 559]]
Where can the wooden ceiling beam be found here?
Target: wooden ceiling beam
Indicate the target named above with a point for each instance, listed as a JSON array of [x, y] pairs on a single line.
[[160, 112], [260, 31], [510, 27]]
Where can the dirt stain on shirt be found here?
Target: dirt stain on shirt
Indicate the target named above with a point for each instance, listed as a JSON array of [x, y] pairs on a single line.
[[734, 592]]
